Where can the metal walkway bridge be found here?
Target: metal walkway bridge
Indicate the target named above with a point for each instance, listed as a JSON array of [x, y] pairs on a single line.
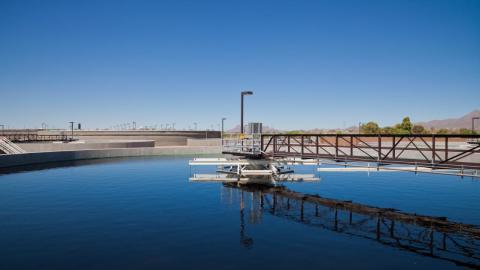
[[439, 151]]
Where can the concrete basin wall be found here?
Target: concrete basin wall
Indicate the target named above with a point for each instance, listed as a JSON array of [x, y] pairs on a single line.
[[203, 142], [46, 157]]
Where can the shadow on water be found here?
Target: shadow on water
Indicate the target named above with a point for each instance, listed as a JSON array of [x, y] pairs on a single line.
[[434, 237]]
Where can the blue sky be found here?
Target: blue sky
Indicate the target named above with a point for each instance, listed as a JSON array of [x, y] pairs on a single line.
[[323, 64]]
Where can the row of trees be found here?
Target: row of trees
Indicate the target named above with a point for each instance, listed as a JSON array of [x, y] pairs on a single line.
[[406, 127]]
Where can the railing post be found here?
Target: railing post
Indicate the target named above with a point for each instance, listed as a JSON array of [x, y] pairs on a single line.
[[316, 144], [394, 141], [336, 146], [302, 144], [288, 142], [274, 144], [351, 146], [379, 147], [433, 149], [261, 144], [446, 148]]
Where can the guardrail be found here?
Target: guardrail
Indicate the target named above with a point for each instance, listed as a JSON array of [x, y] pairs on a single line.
[[34, 137]]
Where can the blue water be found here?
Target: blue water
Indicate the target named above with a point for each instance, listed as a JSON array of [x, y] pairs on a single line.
[[144, 214]]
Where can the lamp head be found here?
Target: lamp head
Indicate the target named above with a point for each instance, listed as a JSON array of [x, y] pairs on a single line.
[[247, 93]]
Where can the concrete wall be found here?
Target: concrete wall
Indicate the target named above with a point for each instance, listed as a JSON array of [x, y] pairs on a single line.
[[104, 144], [202, 142], [161, 138], [45, 157]]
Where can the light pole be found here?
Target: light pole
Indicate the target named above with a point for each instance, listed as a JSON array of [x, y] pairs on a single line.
[[473, 123], [244, 93]]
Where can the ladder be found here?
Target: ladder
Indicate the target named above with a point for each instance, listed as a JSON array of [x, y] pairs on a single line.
[[9, 148]]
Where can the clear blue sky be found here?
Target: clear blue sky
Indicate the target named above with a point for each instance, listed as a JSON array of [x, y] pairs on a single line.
[[310, 64]]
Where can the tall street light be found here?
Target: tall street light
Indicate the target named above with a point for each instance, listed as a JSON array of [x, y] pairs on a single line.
[[244, 93], [473, 123]]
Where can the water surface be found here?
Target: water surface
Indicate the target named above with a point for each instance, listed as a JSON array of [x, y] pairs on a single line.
[[143, 213]]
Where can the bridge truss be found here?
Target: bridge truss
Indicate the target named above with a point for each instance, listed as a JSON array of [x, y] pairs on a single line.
[[442, 151]]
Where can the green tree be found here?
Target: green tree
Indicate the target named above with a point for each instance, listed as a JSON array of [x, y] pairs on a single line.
[[418, 129], [406, 124], [370, 128], [294, 132], [388, 130], [443, 131], [466, 131]]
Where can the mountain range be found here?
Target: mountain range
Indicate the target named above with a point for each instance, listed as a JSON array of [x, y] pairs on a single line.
[[450, 123], [454, 123]]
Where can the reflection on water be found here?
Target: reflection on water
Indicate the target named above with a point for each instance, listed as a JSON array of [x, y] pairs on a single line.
[[435, 237]]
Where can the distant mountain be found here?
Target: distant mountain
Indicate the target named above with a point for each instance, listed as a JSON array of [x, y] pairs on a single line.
[[454, 123], [451, 123]]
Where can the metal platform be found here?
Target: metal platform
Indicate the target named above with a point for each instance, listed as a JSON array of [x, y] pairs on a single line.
[[249, 171]]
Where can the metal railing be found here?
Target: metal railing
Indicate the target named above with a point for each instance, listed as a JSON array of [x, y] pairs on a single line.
[[34, 137], [250, 144], [432, 150]]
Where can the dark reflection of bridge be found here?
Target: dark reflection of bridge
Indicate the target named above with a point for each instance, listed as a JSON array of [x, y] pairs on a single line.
[[435, 237]]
